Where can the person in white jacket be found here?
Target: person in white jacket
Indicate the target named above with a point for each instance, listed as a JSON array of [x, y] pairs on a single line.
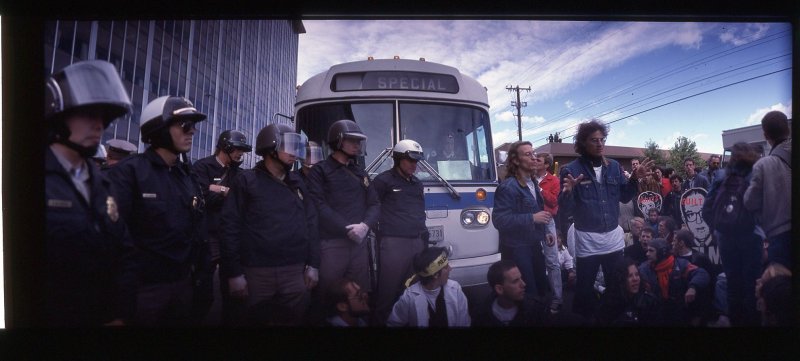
[[433, 301]]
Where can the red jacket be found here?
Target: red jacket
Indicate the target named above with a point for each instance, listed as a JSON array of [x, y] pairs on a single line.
[[550, 188]]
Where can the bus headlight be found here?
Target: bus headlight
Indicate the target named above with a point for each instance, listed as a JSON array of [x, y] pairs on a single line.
[[475, 218], [467, 218], [482, 217]]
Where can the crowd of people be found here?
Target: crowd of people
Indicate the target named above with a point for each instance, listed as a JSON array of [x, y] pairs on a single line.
[[136, 238]]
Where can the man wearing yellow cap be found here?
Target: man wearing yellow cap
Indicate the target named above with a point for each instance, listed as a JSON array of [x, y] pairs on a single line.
[[433, 301]]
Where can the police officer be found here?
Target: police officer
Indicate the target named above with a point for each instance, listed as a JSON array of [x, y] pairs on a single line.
[[313, 156], [348, 206], [270, 249], [117, 150], [88, 276], [215, 174], [401, 223], [161, 201]]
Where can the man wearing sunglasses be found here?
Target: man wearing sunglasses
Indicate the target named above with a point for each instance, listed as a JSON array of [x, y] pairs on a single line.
[[160, 199]]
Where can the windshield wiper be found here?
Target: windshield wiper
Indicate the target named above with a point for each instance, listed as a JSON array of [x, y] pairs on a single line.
[[388, 151]]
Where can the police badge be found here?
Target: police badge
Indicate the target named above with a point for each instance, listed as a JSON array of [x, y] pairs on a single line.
[[111, 209], [366, 181], [300, 194]]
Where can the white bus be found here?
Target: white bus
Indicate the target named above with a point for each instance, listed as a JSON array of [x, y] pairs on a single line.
[[447, 113]]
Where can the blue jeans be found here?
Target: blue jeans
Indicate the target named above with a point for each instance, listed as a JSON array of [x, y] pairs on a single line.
[[741, 260], [780, 249], [553, 271], [586, 268], [530, 261]]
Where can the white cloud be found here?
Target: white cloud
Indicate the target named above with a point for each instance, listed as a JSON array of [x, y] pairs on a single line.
[[506, 116], [633, 121], [569, 104], [738, 34], [755, 117], [698, 136]]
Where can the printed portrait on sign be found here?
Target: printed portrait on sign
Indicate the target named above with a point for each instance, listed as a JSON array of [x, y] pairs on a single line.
[[648, 200], [691, 211]]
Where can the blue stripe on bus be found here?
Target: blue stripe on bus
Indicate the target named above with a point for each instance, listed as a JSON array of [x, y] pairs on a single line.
[[444, 200]]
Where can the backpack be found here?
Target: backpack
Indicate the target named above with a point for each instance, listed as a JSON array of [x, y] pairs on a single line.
[[728, 214]]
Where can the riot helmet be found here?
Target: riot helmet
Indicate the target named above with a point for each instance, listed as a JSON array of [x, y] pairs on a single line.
[[162, 112], [280, 138], [231, 140], [90, 87], [346, 128], [407, 148]]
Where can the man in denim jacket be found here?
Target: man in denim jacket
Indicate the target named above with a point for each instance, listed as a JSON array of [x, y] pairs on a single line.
[[521, 219], [593, 187]]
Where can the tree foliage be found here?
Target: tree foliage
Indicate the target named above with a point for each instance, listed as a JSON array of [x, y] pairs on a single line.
[[682, 149], [651, 151]]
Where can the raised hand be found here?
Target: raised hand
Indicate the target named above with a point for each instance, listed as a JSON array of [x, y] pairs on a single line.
[[569, 183]]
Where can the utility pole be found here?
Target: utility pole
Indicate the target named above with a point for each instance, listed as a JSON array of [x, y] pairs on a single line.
[[519, 106]]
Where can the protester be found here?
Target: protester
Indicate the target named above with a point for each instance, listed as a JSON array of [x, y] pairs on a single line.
[[508, 304], [770, 190], [629, 304], [434, 300], [521, 220], [740, 250], [593, 187], [347, 305], [674, 280]]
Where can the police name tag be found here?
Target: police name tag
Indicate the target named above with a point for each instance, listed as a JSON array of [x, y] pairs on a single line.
[[586, 182], [396, 190], [149, 195], [59, 203]]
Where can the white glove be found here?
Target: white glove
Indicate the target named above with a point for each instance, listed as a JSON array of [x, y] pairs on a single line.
[[357, 232], [237, 286], [311, 277]]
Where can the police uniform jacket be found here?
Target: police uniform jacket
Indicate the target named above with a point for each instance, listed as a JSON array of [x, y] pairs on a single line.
[[207, 169], [163, 206], [402, 204], [267, 222], [343, 196], [89, 274]]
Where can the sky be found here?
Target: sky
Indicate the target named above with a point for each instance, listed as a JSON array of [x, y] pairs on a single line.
[[647, 80]]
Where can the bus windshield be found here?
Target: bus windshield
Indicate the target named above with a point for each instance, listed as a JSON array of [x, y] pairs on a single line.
[[453, 137]]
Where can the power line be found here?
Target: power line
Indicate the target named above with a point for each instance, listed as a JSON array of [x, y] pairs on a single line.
[[687, 97], [711, 57], [519, 106]]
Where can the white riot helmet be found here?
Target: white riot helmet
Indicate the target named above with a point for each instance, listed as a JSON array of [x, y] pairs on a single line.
[[407, 148]]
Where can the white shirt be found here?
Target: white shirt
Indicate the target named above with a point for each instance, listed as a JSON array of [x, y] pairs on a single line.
[[79, 175], [504, 315], [529, 183], [593, 243]]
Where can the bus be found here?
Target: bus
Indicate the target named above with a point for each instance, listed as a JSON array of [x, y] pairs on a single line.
[[446, 112]]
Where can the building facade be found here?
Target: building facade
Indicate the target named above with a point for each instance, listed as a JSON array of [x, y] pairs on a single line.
[[238, 72]]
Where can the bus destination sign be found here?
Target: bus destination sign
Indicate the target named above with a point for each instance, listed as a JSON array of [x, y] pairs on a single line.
[[397, 80]]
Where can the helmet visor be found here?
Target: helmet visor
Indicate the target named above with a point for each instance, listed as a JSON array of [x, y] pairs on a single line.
[[313, 155], [359, 138], [94, 83], [294, 144]]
